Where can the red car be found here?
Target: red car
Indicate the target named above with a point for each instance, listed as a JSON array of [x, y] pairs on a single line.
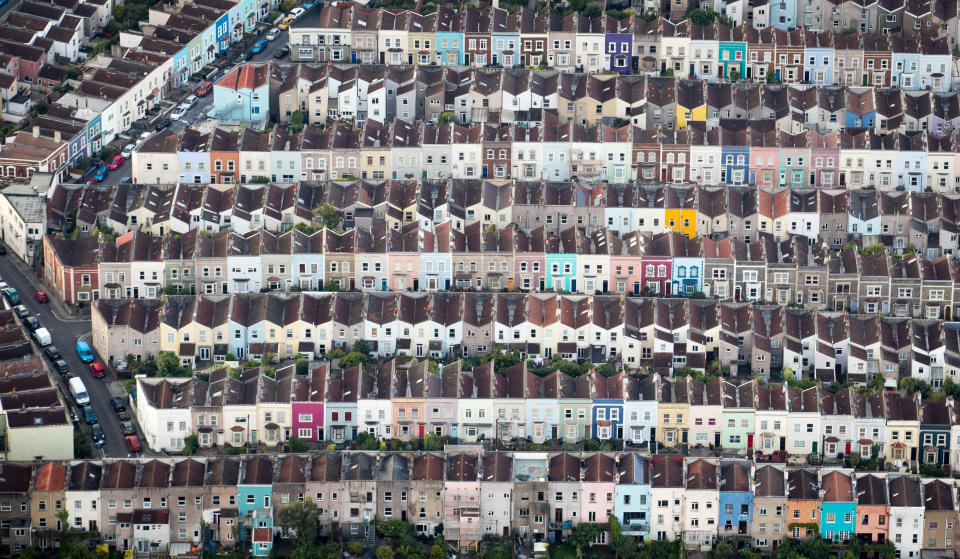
[[115, 162], [133, 443], [41, 297], [98, 370], [204, 89]]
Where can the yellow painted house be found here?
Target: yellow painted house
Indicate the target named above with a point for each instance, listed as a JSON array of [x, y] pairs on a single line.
[[691, 103], [680, 210], [673, 412]]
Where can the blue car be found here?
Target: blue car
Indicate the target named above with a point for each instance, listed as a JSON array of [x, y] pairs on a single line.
[[89, 415], [258, 47], [309, 4], [101, 173]]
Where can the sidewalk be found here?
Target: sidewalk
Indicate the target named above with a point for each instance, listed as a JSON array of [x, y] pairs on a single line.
[[59, 310]]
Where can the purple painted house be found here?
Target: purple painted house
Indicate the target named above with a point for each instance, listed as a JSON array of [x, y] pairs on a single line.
[[618, 43], [307, 405], [946, 114], [825, 159]]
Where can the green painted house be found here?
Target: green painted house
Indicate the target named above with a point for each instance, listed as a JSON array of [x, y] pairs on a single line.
[[739, 414]]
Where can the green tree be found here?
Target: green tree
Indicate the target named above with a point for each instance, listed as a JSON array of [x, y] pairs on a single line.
[[300, 518], [297, 444], [297, 120], [366, 441], [496, 551], [328, 214], [355, 549], [593, 10], [303, 365], [190, 444], [772, 78], [721, 550], [702, 17], [624, 547], [331, 285], [437, 551], [432, 442], [446, 117], [351, 359], [361, 346], [168, 365], [584, 534], [384, 552], [63, 519]]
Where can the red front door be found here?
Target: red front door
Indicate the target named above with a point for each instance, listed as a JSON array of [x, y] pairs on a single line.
[[749, 441], [421, 431]]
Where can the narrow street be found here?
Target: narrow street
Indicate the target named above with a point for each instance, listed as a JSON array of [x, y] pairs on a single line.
[[65, 334]]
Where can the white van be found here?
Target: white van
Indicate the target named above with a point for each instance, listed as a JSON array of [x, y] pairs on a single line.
[[79, 391], [42, 335]]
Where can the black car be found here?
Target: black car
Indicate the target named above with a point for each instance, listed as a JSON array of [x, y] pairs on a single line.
[[61, 366], [52, 352], [3, 249], [163, 123], [98, 435], [118, 404], [32, 322], [244, 56], [281, 52]]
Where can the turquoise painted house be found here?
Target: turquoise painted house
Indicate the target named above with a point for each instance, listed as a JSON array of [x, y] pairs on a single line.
[[739, 412], [632, 496], [733, 56], [687, 275], [838, 519], [562, 260], [504, 39], [254, 505]]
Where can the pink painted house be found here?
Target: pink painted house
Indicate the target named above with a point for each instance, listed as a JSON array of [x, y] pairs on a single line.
[[626, 270], [461, 500], [307, 405], [530, 261], [599, 481], [403, 248], [825, 159], [657, 262], [764, 165]]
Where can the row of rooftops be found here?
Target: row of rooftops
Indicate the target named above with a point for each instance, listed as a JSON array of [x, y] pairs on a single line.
[[767, 481], [471, 21], [392, 198], [341, 137]]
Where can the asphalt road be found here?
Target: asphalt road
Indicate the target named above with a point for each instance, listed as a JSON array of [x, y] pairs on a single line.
[[65, 335], [266, 55]]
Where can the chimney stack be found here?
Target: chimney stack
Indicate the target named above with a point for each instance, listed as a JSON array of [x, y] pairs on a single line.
[[56, 136], [36, 131]]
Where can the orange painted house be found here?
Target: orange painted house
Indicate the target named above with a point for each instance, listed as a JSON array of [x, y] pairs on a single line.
[[873, 510], [224, 157], [803, 505]]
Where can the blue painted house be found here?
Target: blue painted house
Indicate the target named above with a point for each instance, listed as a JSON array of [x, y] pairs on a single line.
[[861, 111], [687, 272], [618, 44], [839, 510], [608, 406], [734, 154], [449, 37], [632, 496], [254, 506], [783, 14], [736, 499], [935, 433], [922, 64], [94, 139], [343, 386], [247, 324], [542, 411], [222, 33], [436, 260], [504, 39], [818, 56], [243, 94], [308, 260], [193, 157], [181, 66]]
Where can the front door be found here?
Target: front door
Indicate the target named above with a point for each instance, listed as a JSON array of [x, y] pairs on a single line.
[[421, 431], [749, 441], [814, 447]]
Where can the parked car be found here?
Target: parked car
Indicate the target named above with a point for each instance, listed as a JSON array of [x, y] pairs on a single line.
[[31, 322], [84, 351], [163, 123], [101, 173], [22, 311], [41, 297], [296, 13], [97, 370], [3, 249], [116, 162], [61, 366], [118, 404], [258, 47], [73, 418], [244, 56], [90, 415], [284, 23], [309, 4], [281, 52], [128, 427], [133, 443], [52, 352], [273, 34], [178, 112], [98, 435], [127, 150], [204, 89], [142, 138], [189, 102]]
